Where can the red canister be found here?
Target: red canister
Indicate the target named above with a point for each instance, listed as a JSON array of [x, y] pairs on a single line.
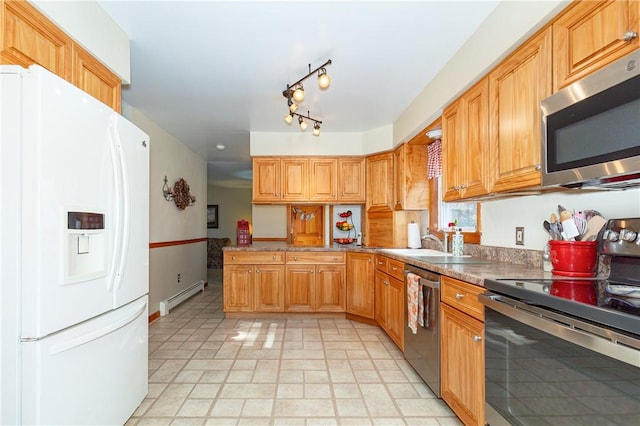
[[243, 234], [573, 258]]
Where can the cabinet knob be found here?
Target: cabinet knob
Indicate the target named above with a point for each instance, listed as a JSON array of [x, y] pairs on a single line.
[[320, 271], [456, 187], [257, 271], [459, 296], [477, 338], [629, 35], [369, 260], [463, 186], [273, 257], [233, 257], [538, 167], [394, 268], [295, 258]]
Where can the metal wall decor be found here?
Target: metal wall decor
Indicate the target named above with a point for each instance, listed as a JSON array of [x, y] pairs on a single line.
[[179, 194]]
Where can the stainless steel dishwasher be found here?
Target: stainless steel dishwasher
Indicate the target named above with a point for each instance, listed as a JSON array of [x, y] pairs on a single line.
[[422, 349]]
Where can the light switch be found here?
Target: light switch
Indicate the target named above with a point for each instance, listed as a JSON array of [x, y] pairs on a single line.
[[83, 244]]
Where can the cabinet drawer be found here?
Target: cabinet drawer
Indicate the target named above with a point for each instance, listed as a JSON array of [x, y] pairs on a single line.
[[253, 257], [302, 257], [389, 266], [463, 296]]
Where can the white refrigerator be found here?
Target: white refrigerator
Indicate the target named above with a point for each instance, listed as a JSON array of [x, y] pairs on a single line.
[[74, 214]]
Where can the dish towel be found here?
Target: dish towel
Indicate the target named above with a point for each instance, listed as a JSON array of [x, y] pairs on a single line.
[[434, 159], [414, 291]]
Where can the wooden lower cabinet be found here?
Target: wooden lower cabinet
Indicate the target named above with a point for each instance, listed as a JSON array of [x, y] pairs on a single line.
[[269, 288], [253, 281], [237, 288], [462, 351], [390, 299], [315, 288], [360, 284]]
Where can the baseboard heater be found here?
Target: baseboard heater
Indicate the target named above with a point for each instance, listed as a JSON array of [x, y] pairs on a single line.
[[175, 300]]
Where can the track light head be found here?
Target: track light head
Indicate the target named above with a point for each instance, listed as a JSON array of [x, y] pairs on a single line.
[[303, 124], [288, 119], [298, 94], [316, 129], [324, 81]]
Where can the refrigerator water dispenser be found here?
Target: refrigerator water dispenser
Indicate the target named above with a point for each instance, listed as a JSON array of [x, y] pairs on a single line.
[[85, 240]]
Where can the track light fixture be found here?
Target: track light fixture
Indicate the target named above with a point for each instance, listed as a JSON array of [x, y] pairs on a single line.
[[302, 123], [295, 95]]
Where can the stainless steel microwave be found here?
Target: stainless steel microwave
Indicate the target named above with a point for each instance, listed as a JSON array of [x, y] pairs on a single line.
[[591, 129]]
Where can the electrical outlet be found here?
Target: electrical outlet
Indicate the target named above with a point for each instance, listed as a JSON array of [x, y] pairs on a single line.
[[519, 235], [178, 278]]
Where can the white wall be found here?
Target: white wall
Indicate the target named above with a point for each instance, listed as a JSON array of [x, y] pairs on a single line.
[[166, 222], [269, 221], [500, 217], [91, 27]]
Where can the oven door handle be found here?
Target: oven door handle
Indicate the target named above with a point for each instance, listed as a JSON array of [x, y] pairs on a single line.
[[604, 341]]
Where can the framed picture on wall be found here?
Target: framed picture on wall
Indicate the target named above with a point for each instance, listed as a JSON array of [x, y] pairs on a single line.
[[212, 216]]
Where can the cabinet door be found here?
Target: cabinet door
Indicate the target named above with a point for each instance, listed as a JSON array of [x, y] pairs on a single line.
[[452, 151], [360, 284], [395, 311], [269, 288], [299, 288], [95, 79], [476, 132], [416, 191], [462, 380], [516, 87], [399, 182], [28, 37], [266, 179], [330, 291], [380, 182], [295, 179], [351, 180], [590, 35], [381, 284], [237, 288], [323, 179]]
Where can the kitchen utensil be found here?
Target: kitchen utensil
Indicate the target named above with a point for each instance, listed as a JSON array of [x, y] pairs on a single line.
[[581, 225], [594, 225], [555, 227], [569, 229]]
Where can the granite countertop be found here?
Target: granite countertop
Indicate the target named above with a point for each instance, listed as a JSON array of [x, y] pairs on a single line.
[[471, 273]]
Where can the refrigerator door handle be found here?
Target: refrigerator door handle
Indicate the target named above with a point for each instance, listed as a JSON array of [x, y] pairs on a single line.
[[100, 332], [122, 207]]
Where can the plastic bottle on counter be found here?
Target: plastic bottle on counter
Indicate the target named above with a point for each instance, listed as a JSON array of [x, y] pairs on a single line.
[[457, 243]]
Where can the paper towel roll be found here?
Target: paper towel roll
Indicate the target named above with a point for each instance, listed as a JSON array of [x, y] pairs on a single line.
[[413, 235]]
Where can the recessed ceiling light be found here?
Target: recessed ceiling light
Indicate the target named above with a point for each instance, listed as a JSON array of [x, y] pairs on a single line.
[[220, 147]]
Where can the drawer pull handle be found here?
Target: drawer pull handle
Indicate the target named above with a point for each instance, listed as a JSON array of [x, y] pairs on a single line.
[[477, 338], [459, 296]]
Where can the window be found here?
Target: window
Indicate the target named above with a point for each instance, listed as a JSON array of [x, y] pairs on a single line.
[[464, 214]]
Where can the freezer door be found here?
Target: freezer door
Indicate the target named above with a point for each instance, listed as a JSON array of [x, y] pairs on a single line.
[[131, 262], [93, 373]]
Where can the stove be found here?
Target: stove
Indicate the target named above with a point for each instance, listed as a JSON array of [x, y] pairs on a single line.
[[567, 350], [611, 302]]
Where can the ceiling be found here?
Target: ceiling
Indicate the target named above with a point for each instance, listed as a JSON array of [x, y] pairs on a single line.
[[211, 72]]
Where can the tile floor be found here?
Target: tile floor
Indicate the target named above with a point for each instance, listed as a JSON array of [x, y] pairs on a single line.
[[208, 370]]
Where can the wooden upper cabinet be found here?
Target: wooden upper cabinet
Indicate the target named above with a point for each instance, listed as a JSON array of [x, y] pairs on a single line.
[[266, 180], [351, 180], [592, 34], [411, 191], [28, 37], [516, 87], [295, 179], [94, 78], [465, 151], [323, 179], [380, 180]]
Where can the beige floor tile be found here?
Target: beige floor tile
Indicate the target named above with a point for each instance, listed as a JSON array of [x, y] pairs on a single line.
[[205, 369]]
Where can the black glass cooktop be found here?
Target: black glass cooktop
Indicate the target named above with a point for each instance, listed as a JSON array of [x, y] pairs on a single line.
[[596, 300]]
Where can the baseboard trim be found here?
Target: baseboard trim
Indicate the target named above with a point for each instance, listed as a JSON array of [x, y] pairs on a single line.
[[154, 316]]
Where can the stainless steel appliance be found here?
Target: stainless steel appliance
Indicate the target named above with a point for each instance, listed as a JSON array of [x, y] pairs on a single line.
[[567, 350], [422, 349], [591, 130]]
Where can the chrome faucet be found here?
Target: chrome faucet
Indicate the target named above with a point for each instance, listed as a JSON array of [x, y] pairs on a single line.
[[443, 245]]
